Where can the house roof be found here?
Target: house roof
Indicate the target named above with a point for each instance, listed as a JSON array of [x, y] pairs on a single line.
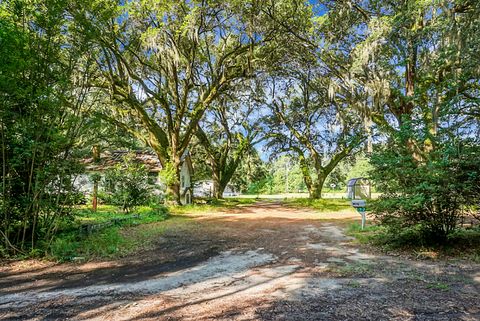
[[109, 159]]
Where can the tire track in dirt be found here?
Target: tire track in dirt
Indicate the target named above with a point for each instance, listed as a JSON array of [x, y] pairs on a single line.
[[258, 262]]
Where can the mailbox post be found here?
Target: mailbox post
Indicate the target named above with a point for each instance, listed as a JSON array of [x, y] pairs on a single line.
[[361, 206]]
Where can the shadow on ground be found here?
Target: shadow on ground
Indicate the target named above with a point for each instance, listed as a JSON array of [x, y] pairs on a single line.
[[273, 263]]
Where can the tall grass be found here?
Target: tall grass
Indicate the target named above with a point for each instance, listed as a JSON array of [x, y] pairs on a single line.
[[106, 243]]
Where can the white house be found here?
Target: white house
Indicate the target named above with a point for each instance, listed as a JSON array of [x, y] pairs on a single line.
[[150, 160], [203, 188]]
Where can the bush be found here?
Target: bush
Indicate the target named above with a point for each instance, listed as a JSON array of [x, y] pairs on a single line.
[[74, 198], [64, 247], [425, 196], [126, 185], [469, 238]]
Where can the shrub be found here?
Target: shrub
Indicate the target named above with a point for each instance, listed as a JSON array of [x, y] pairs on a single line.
[[469, 238], [126, 185], [425, 197], [65, 247]]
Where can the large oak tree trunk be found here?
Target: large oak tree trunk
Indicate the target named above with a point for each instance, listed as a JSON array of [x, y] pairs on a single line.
[[173, 191], [315, 190], [218, 190], [217, 183], [220, 182], [221, 177]]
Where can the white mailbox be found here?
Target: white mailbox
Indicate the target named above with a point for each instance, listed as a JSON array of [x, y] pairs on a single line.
[[361, 207], [359, 203]]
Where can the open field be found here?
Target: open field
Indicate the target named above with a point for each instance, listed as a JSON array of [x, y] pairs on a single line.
[[260, 261]]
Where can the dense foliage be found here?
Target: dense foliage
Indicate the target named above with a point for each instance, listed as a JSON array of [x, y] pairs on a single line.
[[42, 96], [164, 63], [415, 62], [429, 196], [316, 83], [126, 185]]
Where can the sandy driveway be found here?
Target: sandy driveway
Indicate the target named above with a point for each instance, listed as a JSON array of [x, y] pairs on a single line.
[[257, 262]]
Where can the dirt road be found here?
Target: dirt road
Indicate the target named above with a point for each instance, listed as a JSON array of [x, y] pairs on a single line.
[[257, 262]]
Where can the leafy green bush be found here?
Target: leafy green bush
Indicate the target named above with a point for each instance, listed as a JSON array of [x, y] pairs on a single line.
[[466, 237], [74, 198], [64, 247], [41, 120], [424, 196], [126, 185]]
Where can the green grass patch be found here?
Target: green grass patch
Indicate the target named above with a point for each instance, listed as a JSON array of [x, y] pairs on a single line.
[[104, 213], [369, 234], [129, 235], [356, 268], [439, 286], [211, 205], [321, 205], [108, 242], [102, 244], [145, 235]]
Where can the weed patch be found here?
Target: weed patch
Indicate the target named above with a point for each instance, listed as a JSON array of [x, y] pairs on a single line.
[[357, 268], [106, 243], [370, 233], [439, 286]]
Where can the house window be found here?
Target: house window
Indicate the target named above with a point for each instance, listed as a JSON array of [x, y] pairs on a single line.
[[183, 181]]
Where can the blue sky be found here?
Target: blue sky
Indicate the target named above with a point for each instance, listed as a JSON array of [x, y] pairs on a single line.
[[319, 9]]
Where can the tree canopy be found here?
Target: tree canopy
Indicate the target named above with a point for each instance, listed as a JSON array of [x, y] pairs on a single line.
[[311, 83]]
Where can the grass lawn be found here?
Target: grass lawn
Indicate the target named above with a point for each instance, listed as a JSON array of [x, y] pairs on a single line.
[[321, 205], [112, 242], [211, 206], [136, 234], [140, 233]]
